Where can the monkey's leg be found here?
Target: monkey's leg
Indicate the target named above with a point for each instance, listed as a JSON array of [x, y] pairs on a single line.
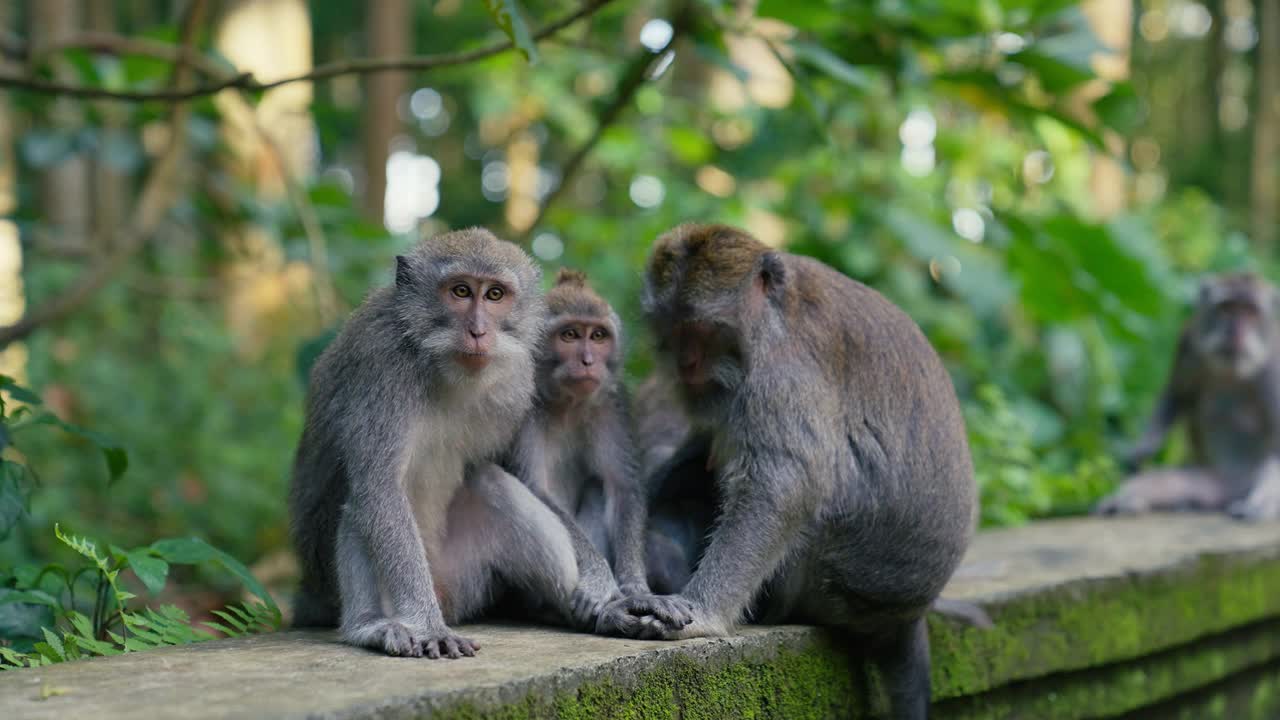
[[1166, 489], [502, 529], [592, 517], [316, 602], [1263, 502], [669, 563]]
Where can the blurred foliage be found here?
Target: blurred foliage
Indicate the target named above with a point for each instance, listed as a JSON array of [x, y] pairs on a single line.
[[43, 621], [940, 151]]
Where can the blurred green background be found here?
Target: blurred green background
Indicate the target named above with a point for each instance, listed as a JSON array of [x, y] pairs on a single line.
[[1038, 183]]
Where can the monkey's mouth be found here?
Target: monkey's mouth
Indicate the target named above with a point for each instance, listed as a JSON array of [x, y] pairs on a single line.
[[472, 361], [583, 383]]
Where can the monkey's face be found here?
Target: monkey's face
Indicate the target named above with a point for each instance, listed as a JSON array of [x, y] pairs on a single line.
[[582, 355], [476, 308], [1235, 336]]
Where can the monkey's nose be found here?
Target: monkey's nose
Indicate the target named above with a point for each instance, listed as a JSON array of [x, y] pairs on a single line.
[[476, 332]]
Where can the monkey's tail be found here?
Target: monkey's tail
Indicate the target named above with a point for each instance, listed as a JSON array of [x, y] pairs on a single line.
[[903, 662], [965, 612]]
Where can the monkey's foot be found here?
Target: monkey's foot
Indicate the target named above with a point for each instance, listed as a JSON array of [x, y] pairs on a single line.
[[1121, 503], [649, 617], [402, 640], [1256, 508]]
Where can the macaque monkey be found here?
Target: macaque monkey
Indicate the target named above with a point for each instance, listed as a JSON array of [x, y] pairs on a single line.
[[844, 485], [402, 523], [576, 450], [1226, 383]]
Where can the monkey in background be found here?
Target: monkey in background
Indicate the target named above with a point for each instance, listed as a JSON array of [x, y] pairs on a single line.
[[576, 449], [1225, 382], [844, 486], [680, 493], [402, 524]]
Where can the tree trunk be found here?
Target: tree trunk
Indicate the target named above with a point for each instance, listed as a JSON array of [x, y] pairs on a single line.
[[13, 359], [110, 186], [272, 146], [1112, 22], [389, 24], [1266, 129], [63, 187]]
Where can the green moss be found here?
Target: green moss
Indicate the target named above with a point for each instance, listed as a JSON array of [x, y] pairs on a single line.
[[1092, 623], [813, 683], [1090, 648], [1120, 688]]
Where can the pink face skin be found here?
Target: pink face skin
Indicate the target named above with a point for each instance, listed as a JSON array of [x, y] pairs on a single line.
[[478, 305], [583, 347]]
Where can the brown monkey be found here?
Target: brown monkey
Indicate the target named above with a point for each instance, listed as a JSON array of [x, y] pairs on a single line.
[[402, 524], [576, 450], [1226, 383], [844, 482]]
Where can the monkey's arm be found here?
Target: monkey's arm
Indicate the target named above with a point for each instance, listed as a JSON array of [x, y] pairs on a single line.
[[767, 499], [596, 584], [379, 513], [613, 460], [1171, 403]]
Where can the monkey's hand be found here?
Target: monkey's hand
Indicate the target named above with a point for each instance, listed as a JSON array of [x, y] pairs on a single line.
[[648, 617], [589, 600], [412, 640]]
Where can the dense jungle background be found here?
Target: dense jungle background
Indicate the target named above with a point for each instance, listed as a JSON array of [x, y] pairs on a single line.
[[1039, 183]]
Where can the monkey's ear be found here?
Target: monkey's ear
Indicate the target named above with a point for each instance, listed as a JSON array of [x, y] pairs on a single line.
[[773, 274], [404, 275]]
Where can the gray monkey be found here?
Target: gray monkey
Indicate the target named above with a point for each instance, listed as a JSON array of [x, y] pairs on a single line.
[[403, 524]]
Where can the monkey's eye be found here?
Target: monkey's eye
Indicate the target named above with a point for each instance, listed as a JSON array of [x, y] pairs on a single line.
[[461, 291], [599, 334], [569, 334], [494, 294]]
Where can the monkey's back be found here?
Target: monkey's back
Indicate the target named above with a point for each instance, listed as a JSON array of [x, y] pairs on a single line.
[[906, 501]]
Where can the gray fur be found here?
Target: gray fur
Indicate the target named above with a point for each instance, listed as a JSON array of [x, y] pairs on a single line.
[[837, 449], [398, 438]]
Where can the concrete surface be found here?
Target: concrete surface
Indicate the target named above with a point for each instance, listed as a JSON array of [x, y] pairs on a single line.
[[1066, 595]]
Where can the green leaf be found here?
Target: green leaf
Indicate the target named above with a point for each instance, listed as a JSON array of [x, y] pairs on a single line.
[[190, 551], [152, 571], [507, 16], [18, 392], [54, 642], [833, 66]]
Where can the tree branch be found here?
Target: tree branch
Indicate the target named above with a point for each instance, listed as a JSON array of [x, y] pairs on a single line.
[[113, 44], [637, 72], [158, 193], [246, 81]]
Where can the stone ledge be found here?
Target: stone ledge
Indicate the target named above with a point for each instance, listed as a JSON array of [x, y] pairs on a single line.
[[1092, 616]]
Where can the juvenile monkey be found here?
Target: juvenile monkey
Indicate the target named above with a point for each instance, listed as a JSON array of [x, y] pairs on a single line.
[[1226, 383], [576, 450], [845, 491], [402, 524]]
